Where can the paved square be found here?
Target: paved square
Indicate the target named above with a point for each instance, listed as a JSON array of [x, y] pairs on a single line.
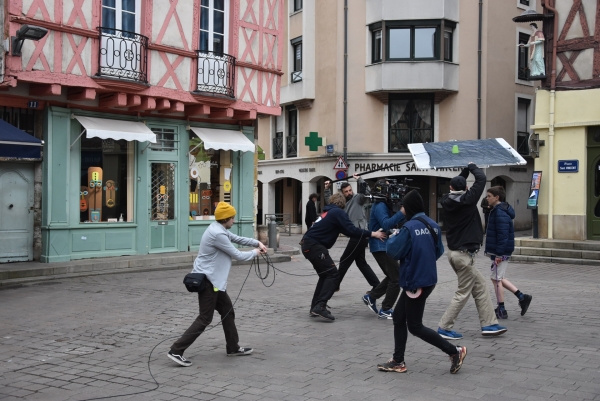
[[76, 339]]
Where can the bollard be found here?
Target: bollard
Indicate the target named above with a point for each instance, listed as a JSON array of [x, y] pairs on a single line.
[[272, 232]]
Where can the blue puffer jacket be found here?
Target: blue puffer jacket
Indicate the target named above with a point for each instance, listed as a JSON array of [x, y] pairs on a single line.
[[500, 236]]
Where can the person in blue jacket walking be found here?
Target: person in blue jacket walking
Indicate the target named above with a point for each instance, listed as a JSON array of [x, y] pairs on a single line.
[[499, 245], [383, 218], [417, 248]]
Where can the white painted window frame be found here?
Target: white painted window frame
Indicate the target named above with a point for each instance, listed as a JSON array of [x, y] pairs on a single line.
[[119, 13], [211, 25]]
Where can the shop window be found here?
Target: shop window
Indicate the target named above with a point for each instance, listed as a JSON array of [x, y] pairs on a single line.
[[23, 119], [166, 140], [106, 180], [410, 121], [206, 173]]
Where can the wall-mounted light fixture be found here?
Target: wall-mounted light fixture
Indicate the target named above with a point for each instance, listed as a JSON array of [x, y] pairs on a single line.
[[26, 32]]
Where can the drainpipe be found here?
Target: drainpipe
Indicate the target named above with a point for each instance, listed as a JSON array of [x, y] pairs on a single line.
[[345, 79], [551, 123], [479, 71]]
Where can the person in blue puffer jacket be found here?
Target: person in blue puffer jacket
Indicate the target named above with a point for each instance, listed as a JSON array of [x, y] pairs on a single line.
[[417, 248], [499, 245], [382, 217]]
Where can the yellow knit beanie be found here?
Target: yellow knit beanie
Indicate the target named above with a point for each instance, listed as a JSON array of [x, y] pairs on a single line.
[[224, 211]]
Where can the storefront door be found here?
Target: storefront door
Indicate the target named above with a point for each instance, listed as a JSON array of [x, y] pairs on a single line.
[[593, 192], [163, 206], [16, 212]]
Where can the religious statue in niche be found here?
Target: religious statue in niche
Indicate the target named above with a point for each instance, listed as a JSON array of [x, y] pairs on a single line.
[[537, 68]]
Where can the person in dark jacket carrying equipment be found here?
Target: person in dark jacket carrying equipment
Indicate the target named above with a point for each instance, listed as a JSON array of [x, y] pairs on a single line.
[[417, 248], [464, 235], [316, 243], [499, 245]]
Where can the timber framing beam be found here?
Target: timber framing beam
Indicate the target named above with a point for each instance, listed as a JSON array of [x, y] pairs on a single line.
[[114, 100], [147, 104], [245, 115], [222, 113], [176, 107], [45, 90], [197, 110], [78, 94], [163, 104]]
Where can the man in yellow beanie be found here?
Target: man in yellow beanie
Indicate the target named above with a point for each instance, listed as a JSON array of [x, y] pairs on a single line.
[[214, 260]]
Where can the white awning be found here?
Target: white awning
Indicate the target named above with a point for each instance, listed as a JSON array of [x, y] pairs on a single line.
[[224, 139], [104, 128]]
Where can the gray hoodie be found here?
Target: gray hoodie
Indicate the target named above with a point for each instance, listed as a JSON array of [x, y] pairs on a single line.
[[216, 251], [354, 207]]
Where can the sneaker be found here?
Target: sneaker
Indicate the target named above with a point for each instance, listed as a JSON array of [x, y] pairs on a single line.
[[321, 310], [370, 302], [457, 359], [386, 314], [524, 304], [392, 366], [179, 359], [501, 313], [449, 334], [240, 352], [493, 330], [310, 312]]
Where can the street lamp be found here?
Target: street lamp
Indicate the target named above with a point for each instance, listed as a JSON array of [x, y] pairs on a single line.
[[26, 32]]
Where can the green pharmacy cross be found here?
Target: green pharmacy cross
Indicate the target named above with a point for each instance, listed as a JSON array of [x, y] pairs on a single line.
[[313, 141]]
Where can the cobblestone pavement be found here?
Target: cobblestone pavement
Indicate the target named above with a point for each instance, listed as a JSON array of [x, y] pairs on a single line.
[[75, 339]]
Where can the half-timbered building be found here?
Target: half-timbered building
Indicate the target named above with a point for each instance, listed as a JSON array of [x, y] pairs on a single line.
[[146, 110], [567, 121]]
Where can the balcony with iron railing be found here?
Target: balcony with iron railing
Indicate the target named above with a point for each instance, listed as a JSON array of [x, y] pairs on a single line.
[[278, 147], [216, 73], [123, 55], [292, 146]]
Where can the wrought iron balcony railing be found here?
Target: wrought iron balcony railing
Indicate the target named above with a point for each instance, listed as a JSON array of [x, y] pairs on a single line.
[[123, 54], [216, 73], [296, 76], [292, 146], [278, 148]]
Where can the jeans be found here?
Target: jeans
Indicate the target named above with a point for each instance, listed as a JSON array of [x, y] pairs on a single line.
[[409, 315], [470, 282], [329, 277], [389, 285], [355, 252], [209, 301]]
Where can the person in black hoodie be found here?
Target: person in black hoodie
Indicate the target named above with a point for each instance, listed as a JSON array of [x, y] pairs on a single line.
[[311, 211], [417, 248], [464, 235], [316, 243]]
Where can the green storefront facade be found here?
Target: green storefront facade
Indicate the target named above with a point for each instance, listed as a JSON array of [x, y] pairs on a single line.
[[106, 198]]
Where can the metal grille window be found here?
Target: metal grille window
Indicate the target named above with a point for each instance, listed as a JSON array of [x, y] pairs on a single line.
[[292, 137], [523, 126], [278, 145], [166, 140], [23, 119], [410, 121], [523, 67], [162, 190]]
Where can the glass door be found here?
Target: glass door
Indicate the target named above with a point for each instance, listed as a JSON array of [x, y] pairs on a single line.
[[163, 218]]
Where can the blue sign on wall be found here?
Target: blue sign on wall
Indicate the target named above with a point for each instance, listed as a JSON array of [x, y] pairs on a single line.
[[329, 148], [568, 166]]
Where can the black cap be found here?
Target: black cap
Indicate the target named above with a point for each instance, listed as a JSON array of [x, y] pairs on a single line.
[[413, 204], [458, 183]]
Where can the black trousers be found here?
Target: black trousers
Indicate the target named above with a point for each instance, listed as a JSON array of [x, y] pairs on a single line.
[[389, 285], [329, 277], [409, 315], [355, 252], [208, 302]]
